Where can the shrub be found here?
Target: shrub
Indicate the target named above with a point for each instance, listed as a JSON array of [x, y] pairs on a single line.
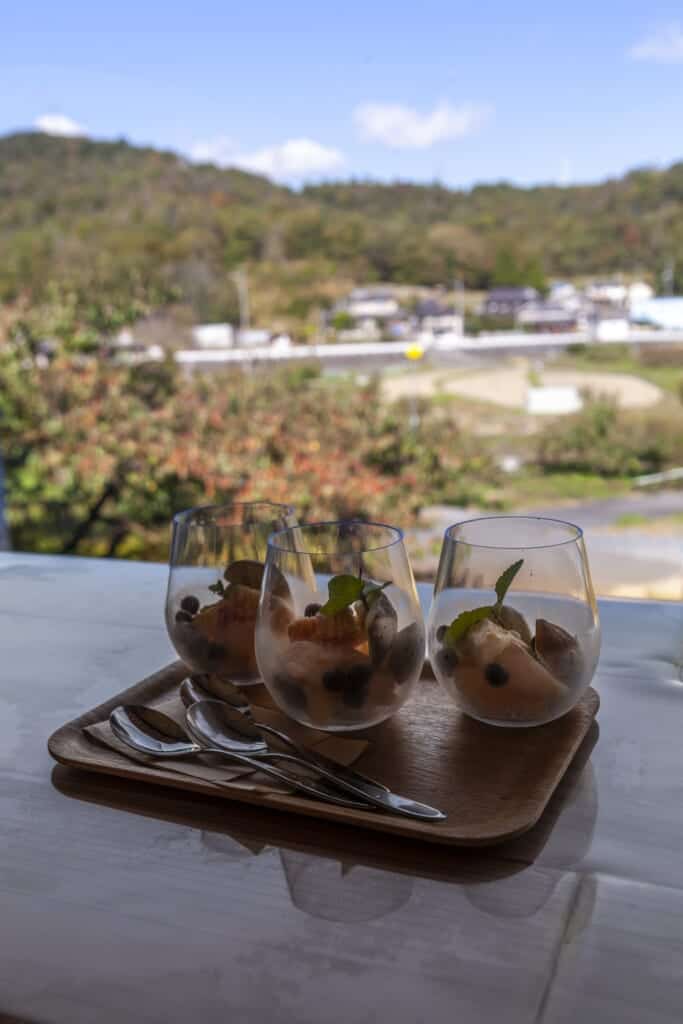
[[606, 440]]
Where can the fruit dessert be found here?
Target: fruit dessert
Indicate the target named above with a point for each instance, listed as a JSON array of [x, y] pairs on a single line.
[[346, 660], [219, 637], [498, 669]]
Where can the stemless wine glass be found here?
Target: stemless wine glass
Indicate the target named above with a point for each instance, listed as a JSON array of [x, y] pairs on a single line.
[[354, 647], [513, 633], [216, 565]]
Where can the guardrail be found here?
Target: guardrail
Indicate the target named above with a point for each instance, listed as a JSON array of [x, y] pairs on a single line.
[[495, 341], [665, 477]]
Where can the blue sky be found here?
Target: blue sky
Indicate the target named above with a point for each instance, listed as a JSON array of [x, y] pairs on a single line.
[[460, 92]]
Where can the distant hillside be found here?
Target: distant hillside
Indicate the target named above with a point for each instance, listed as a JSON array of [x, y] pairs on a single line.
[[95, 234]]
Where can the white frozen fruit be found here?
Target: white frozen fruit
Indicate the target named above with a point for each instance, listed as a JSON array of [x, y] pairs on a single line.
[[498, 676], [510, 618]]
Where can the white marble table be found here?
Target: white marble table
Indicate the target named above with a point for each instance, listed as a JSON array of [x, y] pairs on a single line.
[[123, 903]]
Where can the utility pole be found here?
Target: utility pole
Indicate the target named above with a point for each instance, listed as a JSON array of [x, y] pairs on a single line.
[[459, 289], [668, 279], [240, 279]]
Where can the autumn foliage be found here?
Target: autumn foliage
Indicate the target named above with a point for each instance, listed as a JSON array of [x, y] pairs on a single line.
[[98, 457]]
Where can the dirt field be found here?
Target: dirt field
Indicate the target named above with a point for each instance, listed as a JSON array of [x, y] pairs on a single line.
[[508, 386]]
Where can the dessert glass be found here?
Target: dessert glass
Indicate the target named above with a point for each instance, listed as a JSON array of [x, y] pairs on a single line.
[[513, 632], [215, 571], [354, 648]]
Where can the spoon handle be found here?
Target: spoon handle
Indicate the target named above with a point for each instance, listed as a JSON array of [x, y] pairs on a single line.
[[319, 761], [310, 788], [382, 798]]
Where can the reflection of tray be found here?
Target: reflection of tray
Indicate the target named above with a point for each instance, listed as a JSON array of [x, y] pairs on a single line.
[[493, 783]]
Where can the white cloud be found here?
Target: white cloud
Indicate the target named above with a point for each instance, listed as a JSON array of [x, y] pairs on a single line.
[[406, 128], [663, 46], [58, 124], [293, 159]]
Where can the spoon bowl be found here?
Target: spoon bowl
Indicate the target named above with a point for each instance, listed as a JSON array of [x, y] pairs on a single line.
[[206, 687], [216, 724], [151, 732]]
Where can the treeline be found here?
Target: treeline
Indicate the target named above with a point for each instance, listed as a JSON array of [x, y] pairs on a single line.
[[94, 235]]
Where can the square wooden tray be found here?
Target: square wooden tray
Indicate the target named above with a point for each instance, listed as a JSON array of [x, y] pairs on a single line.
[[493, 783]]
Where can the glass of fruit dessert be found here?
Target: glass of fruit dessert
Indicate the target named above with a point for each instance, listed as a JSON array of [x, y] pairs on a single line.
[[216, 565], [513, 632], [355, 647]]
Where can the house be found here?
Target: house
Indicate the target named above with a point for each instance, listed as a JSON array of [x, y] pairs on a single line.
[[611, 328], [665, 312], [364, 330], [506, 302], [213, 335], [439, 319], [370, 304], [563, 293], [253, 337], [610, 292], [639, 291], [546, 316]]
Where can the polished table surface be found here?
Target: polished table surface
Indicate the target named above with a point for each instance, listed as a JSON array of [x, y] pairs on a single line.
[[121, 902]]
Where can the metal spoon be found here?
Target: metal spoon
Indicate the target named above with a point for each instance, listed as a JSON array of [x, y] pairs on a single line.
[[151, 732], [196, 688], [214, 723], [206, 687]]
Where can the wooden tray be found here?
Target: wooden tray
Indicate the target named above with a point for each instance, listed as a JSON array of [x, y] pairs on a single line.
[[493, 783]]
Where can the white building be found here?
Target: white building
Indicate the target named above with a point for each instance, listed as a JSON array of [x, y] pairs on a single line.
[[252, 337], [611, 292], [371, 303], [639, 291], [611, 328], [563, 293], [665, 312], [213, 335], [435, 318], [553, 401]]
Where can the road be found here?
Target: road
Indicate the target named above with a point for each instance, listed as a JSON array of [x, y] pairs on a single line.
[[607, 511], [624, 562]]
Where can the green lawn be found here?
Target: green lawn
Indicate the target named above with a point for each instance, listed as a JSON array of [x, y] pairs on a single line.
[[534, 488]]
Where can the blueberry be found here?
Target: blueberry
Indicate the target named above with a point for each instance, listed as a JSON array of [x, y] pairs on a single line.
[[183, 616], [355, 694], [440, 634], [190, 604], [359, 675], [312, 609], [292, 693], [495, 674], [446, 661], [334, 680]]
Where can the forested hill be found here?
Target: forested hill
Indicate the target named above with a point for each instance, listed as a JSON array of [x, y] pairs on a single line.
[[102, 232]]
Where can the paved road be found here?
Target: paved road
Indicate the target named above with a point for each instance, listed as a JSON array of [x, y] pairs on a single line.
[[624, 562], [607, 511]]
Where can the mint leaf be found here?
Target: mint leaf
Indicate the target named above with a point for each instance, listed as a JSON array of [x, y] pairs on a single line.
[[342, 590], [505, 579], [460, 625], [218, 588]]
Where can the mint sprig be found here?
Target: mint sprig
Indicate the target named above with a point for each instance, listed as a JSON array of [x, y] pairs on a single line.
[[460, 625], [344, 589], [464, 622], [505, 579], [218, 588]]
